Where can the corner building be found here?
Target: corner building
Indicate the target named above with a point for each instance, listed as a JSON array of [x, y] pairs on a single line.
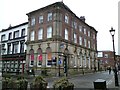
[[53, 30]]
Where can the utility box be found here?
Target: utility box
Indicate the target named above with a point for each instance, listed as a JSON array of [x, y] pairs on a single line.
[[100, 84]]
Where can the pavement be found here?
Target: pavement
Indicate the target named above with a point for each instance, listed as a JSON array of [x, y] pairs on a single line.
[[110, 84]]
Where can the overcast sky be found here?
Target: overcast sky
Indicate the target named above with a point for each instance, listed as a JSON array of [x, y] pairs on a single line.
[[101, 14]]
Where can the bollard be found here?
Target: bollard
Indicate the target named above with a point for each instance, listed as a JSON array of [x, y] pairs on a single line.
[[100, 84]]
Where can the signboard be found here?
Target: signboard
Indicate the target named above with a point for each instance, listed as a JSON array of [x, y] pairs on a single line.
[[59, 61]]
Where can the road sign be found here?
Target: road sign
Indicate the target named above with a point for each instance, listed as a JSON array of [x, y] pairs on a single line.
[[59, 61]]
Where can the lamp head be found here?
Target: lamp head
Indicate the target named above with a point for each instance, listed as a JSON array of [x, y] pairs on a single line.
[[112, 31]]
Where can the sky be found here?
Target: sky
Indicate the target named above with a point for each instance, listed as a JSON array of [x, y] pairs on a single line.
[[100, 14]]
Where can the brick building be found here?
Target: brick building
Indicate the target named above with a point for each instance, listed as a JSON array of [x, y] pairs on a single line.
[[106, 59], [53, 30]]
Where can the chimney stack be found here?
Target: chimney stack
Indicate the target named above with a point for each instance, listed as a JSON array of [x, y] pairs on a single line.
[[82, 18]]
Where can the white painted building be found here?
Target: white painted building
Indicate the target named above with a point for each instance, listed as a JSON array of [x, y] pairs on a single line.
[[13, 47]]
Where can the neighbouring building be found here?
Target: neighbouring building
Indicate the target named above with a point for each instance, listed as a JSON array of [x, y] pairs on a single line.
[[54, 32], [13, 48], [106, 59]]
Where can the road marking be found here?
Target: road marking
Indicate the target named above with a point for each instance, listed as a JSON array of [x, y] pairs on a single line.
[[110, 81]]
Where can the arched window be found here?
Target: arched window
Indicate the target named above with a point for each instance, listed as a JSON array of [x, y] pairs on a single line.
[[49, 56], [39, 59], [31, 52]]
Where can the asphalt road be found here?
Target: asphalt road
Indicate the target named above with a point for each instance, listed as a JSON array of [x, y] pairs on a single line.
[[86, 81]]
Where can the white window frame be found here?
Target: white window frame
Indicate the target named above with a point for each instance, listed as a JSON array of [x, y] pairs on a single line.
[[88, 33], [80, 28], [32, 21], [66, 19], [23, 32], [49, 32], [49, 17], [3, 37], [41, 19], [85, 30], [40, 34], [9, 49], [75, 38], [38, 61], [85, 42], [10, 35], [16, 34], [66, 33], [48, 60], [88, 44], [32, 36], [16, 46], [93, 36], [80, 40], [75, 25]]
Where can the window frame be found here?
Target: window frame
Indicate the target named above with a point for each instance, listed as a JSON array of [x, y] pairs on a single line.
[[49, 16], [80, 40], [85, 42], [3, 37], [49, 32], [32, 36], [10, 36], [33, 21], [66, 33], [16, 34], [89, 44], [75, 38], [15, 47], [9, 48], [40, 34], [41, 19], [66, 19], [23, 32]]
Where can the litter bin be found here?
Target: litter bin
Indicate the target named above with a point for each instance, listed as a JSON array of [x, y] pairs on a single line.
[[100, 84]]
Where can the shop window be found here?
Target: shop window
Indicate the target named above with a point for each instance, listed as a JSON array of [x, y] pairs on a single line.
[[31, 57], [39, 61], [49, 56]]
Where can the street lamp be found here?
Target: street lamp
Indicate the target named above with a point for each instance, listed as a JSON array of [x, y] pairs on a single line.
[[112, 32], [23, 63], [65, 60]]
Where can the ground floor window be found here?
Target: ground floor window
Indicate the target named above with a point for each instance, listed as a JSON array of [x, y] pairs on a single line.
[[39, 61], [11, 66], [32, 63], [49, 59], [31, 57]]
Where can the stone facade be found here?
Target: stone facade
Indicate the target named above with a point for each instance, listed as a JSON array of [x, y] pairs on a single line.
[[66, 31]]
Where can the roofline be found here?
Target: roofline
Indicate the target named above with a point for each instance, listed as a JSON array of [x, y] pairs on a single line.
[[66, 7], [12, 27]]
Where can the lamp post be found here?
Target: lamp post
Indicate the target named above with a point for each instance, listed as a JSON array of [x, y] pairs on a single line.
[[59, 62], [112, 32], [65, 60]]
